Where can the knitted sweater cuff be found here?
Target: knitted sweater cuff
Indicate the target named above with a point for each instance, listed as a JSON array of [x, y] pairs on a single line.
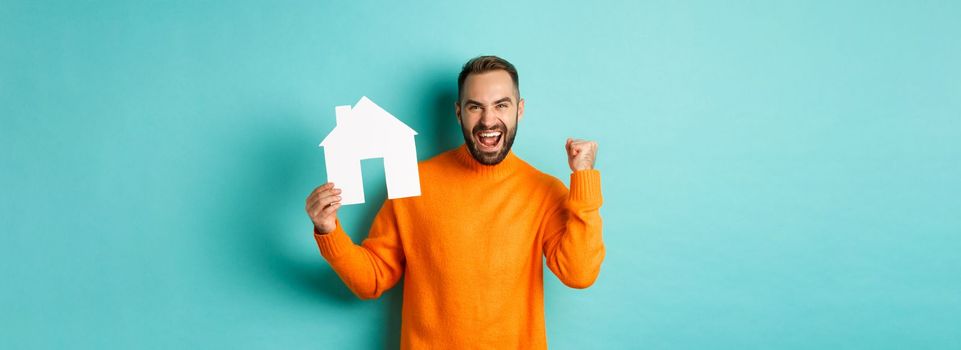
[[586, 187], [334, 243]]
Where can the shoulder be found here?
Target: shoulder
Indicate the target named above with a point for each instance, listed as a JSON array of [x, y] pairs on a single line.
[[555, 186], [548, 183], [548, 190], [436, 163]]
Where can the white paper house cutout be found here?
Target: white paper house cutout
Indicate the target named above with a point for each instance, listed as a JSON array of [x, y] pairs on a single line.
[[367, 131]]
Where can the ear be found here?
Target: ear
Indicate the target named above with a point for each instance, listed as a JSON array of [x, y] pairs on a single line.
[[457, 112], [520, 110]]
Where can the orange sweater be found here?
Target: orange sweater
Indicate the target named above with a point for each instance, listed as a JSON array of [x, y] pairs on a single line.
[[471, 249]]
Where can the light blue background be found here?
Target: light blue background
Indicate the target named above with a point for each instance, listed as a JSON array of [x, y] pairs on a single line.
[[777, 175]]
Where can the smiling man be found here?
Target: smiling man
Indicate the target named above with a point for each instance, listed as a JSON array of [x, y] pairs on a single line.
[[471, 247]]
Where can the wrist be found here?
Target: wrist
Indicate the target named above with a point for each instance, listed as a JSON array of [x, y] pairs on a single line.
[[318, 231]]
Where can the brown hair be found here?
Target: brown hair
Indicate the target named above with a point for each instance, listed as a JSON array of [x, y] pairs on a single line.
[[484, 64]]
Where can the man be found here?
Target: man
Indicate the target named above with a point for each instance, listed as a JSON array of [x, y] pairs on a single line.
[[471, 246]]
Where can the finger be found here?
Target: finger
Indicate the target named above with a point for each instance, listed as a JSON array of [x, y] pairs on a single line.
[[325, 193], [575, 143], [319, 189], [585, 145], [321, 203], [567, 145], [325, 186], [325, 212], [320, 197], [332, 209], [580, 148], [324, 202], [311, 198]]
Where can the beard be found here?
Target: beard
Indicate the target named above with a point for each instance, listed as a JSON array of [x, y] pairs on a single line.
[[495, 157]]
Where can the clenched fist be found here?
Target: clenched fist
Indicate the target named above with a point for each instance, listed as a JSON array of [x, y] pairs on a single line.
[[322, 205], [581, 154]]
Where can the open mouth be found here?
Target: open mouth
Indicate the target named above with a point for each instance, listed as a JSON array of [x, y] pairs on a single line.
[[488, 140]]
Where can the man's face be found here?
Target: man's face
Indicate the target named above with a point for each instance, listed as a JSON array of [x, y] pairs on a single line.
[[488, 112]]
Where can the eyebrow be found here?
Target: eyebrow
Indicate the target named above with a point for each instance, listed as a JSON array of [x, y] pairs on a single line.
[[505, 99]]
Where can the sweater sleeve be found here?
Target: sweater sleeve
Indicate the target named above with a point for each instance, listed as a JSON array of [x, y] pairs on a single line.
[[374, 266], [572, 233]]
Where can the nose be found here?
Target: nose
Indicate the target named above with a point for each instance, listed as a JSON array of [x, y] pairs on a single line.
[[488, 118]]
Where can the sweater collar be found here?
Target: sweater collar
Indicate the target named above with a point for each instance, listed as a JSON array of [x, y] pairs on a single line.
[[508, 166]]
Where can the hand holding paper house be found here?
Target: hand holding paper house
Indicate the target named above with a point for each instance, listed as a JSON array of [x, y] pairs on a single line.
[[367, 131]]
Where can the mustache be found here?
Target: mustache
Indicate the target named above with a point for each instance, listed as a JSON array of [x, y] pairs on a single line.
[[499, 127]]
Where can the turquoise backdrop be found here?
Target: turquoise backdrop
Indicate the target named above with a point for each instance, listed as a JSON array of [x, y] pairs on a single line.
[[777, 174]]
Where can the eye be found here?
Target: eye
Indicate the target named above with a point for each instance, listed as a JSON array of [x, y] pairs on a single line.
[[502, 106], [472, 108]]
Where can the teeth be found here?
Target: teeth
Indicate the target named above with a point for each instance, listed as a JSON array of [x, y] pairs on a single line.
[[490, 134]]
